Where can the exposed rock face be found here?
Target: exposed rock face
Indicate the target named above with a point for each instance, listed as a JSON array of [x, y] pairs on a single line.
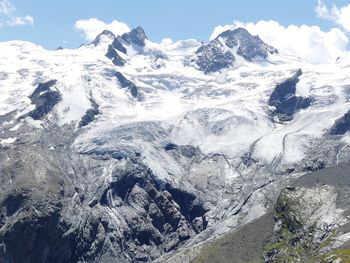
[[113, 55], [117, 44], [305, 217], [249, 47], [311, 218], [105, 33], [213, 57], [220, 53], [168, 215], [44, 99], [57, 206], [121, 48], [285, 101], [125, 83], [30, 230], [307, 224], [136, 36], [90, 114], [341, 126]]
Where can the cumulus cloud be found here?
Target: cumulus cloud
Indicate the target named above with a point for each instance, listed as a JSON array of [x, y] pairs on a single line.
[[6, 7], [340, 16], [91, 27], [19, 21], [222, 28], [166, 42], [307, 42], [7, 17]]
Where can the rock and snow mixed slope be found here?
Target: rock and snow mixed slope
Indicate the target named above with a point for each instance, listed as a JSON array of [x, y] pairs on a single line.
[[309, 223], [130, 149]]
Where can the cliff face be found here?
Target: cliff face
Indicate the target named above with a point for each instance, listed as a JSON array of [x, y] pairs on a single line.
[[59, 206]]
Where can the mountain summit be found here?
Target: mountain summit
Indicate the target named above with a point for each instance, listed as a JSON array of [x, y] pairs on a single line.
[[248, 46], [222, 52], [104, 34], [136, 36]]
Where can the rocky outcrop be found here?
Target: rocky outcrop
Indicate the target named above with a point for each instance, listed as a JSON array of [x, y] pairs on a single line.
[[137, 37], [30, 226], [248, 46], [130, 44], [221, 52], [285, 101], [341, 125], [118, 45], [44, 98], [305, 219], [58, 205], [90, 114], [308, 223], [213, 57], [169, 216], [113, 55], [105, 33], [127, 84]]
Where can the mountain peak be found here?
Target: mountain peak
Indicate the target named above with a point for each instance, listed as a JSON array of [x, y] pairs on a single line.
[[249, 47], [236, 31], [213, 57], [222, 51], [137, 36], [108, 33], [104, 33]]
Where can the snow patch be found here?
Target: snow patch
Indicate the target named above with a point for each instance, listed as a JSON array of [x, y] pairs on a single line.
[[7, 141]]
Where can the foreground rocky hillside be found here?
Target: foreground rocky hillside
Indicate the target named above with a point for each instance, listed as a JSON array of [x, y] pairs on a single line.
[[125, 150], [309, 223]]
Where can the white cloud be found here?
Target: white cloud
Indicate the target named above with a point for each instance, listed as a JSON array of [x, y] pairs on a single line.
[[322, 11], [340, 16], [222, 28], [307, 42], [7, 17], [6, 7], [91, 27], [19, 21], [166, 42]]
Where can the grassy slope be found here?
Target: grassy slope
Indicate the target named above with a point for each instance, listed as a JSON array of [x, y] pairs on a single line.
[[243, 246]]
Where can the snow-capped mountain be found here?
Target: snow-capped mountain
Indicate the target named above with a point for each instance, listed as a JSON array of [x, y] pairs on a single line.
[[125, 150], [230, 46]]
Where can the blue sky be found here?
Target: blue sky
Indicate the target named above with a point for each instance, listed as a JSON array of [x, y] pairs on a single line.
[[53, 21]]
